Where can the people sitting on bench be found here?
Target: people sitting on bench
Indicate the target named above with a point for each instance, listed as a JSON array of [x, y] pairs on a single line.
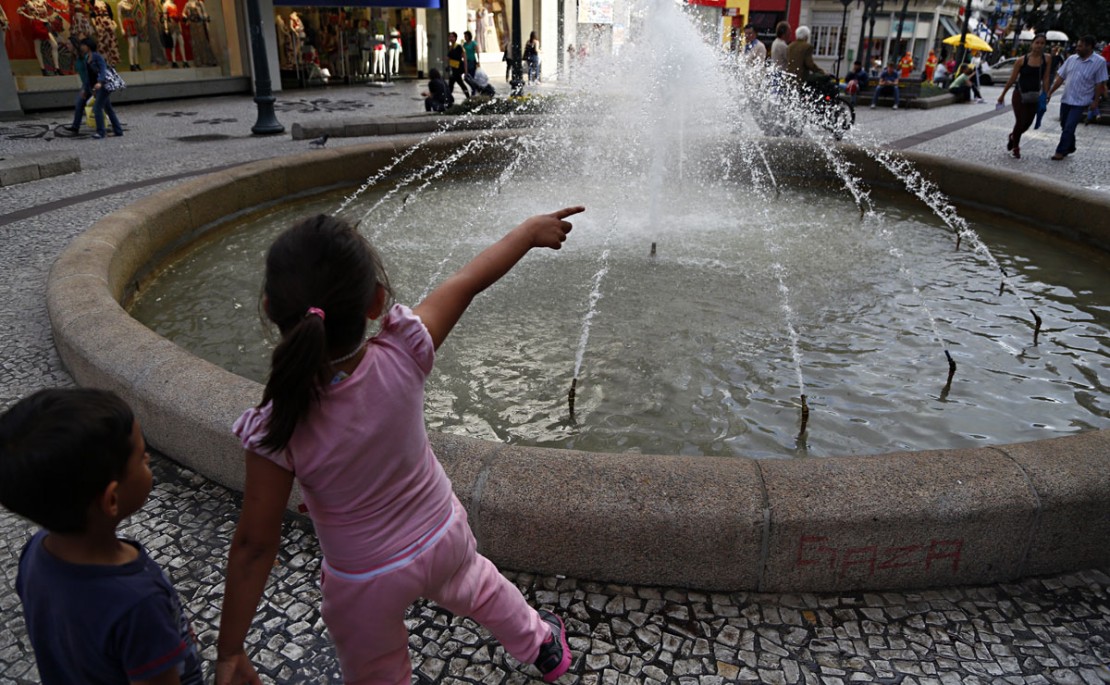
[[888, 81]]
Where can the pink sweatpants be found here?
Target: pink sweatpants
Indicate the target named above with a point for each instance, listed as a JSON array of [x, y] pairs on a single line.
[[366, 615]]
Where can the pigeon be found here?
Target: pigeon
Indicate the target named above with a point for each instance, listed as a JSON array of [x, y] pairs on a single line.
[[319, 142]]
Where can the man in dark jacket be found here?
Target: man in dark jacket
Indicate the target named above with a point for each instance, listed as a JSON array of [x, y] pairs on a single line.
[[799, 57]]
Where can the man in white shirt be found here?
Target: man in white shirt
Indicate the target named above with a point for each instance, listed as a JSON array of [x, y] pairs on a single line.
[[780, 46], [1085, 74], [755, 51]]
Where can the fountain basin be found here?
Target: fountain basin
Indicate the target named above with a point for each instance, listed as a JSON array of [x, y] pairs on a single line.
[[889, 521]]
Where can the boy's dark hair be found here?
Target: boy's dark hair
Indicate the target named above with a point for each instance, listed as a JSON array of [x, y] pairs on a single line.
[[434, 75], [90, 43], [59, 449], [322, 262]]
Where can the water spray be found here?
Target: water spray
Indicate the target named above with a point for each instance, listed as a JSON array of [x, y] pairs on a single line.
[[1036, 327], [805, 417]]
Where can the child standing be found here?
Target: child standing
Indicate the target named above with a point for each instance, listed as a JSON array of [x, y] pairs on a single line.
[[98, 610], [344, 416]]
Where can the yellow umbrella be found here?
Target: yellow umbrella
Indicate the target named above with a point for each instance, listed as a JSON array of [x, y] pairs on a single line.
[[974, 42]]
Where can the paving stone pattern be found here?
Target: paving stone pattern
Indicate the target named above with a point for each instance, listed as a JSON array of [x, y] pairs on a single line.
[[1043, 630]]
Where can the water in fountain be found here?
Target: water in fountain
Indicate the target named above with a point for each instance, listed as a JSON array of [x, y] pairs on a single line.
[[760, 291]]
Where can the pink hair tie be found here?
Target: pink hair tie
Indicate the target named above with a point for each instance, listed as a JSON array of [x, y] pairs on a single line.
[[315, 311]]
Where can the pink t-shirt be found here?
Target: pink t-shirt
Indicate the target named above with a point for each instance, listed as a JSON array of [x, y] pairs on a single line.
[[361, 456]]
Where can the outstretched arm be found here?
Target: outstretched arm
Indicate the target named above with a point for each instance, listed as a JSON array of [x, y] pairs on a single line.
[[445, 305]]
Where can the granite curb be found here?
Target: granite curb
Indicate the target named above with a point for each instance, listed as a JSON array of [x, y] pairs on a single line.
[[33, 166], [389, 126], [920, 519]]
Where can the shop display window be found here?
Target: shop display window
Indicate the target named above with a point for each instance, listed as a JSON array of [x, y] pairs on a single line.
[[485, 19], [319, 45], [148, 37]]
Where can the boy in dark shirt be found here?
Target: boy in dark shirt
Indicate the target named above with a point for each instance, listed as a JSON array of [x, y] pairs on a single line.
[[99, 611]]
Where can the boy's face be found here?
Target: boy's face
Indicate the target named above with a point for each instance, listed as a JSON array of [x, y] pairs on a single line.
[[137, 480]]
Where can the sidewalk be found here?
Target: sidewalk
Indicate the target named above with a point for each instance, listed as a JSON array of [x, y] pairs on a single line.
[[1044, 630]]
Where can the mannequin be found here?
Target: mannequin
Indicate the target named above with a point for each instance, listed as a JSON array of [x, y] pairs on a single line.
[[129, 15], [3, 24], [285, 53], [171, 24], [395, 51], [296, 33], [41, 17], [365, 46], [488, 29], [197, 16], [379, 54], [79, 23], [151, 26], [105, 27]]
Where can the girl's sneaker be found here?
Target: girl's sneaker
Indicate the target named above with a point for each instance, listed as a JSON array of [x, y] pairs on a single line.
[[554, 658]]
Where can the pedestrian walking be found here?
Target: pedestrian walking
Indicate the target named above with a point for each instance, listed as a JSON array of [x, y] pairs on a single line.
[[532, 57], [470, 47], [456, 64], [84, 93], [1030, 75], [1085, 75], [102, 87], [779, 46]]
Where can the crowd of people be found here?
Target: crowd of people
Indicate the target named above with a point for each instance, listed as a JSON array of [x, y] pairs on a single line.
[[1035, 77]]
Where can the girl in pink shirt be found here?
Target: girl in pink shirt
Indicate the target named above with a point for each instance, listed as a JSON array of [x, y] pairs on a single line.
[[344, 417]]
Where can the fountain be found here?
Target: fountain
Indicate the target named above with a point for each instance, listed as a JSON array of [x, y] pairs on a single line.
[[780, 345]]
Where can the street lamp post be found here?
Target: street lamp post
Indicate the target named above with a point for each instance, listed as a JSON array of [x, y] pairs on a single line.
[[843, 38], [516, 84], [874, 6], [962, 53], [267, 123]]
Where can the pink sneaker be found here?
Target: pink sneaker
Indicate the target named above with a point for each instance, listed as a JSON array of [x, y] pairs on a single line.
[[554, 658]]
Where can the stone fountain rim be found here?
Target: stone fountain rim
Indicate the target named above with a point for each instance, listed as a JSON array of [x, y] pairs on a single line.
[[900, 520]]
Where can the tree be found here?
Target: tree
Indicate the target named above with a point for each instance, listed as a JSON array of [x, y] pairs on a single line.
[[1085, 17]]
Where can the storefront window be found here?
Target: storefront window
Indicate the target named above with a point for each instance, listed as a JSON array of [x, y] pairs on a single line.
[[485, 19], [147, 37], [319, 45]]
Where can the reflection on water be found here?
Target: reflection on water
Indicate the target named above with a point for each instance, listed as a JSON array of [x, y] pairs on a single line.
[[688, 352]]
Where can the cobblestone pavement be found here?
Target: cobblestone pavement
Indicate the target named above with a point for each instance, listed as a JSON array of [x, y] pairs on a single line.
[[1043, 630]]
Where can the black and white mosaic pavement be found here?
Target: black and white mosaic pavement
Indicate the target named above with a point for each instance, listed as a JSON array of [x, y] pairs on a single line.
[[1040, 630]]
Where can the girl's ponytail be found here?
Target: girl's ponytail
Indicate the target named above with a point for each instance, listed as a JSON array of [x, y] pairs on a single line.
[[299, 367], [319, 268]]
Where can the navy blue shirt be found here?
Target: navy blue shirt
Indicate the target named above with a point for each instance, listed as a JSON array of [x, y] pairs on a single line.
[[102, 625]]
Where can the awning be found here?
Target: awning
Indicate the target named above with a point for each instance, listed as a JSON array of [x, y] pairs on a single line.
[[949, 27], [423, 4]]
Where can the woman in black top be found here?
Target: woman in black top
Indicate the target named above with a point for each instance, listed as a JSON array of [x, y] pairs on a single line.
[[437, 98], [1031, 75], [532, 57]]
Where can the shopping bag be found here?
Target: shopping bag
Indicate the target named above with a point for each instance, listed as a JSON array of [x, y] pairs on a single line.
[[90, 120], [112, 80]]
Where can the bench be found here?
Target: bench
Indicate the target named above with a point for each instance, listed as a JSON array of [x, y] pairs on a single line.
[[909, 89]]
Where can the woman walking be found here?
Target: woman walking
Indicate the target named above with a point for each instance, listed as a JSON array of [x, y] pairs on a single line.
[[98, 75], [532, 57], [1030, 73]]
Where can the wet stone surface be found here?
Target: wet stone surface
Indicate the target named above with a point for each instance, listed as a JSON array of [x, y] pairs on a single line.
[[1044, 630]]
